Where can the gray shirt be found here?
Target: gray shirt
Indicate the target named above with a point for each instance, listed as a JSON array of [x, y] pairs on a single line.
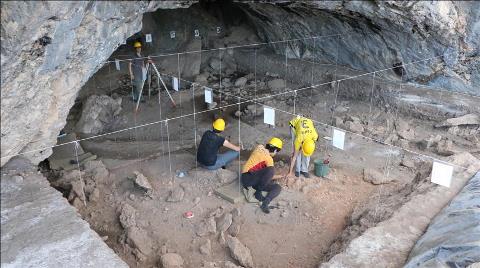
[[138, 67]]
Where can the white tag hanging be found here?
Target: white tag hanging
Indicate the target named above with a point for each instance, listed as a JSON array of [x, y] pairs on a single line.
[[175, 83], [219, 30], [208, 95], [268, 115], [338, 139], [148, 38], [197, 33], [442, 174], [172, 34], [124, 42], [117, 64]]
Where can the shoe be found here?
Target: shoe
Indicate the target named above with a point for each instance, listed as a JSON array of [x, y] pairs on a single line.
[[305, 174], [297, 174], [264, 207]]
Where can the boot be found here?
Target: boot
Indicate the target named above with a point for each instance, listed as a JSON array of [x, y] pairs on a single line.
[[264, 207]]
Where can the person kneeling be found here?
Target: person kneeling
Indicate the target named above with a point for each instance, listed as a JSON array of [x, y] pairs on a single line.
[[258, 173], [207, 153]]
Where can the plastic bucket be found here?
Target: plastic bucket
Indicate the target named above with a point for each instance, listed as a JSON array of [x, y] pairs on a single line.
[[321, 169]]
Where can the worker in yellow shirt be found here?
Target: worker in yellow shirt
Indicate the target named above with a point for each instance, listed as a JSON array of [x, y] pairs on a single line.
[[258, 172], [304, 137]]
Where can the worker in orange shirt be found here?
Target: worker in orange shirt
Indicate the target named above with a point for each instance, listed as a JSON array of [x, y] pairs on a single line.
[[258, 173]]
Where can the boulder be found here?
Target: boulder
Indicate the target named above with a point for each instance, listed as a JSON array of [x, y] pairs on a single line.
[[404, 130], [176, 195], [171, 260], [226, 176], [276, 84], [241, 82], [96, 169], [215, 64], [445, 148], [141, 181], [355, 127], [240, 252], [127, 216], [375, 177], [98, 114], [468, 119], [224, 222]]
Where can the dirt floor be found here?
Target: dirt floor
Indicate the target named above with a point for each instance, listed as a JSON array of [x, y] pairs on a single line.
[[310, 213]]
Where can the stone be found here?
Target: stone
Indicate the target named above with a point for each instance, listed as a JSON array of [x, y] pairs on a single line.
[[241, 82], [94, 196], [341, 109], [445, 147], [404, 130], [202, 78], [240, 252], [407, 162], [468, 119], [96, 169], [338, 121], [235, 228], [276, 84], [176, 195], [142, 182], [138, 238], [171, 260], [354, 127], [206, 248], [206, 227], [221, 239], [236, 212], [98, 113], [127, 216], [224, 222], [375, 177]]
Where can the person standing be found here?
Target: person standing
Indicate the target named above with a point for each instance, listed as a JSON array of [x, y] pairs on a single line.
[[207, 153], [138, 71], [304, 136], [258, 172]]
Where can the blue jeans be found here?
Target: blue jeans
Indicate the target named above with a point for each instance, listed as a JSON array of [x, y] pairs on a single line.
[[223, 160]]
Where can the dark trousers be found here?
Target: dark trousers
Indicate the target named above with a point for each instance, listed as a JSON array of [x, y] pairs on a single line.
[[261, 180]]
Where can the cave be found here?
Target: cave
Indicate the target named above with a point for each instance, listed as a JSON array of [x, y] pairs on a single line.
[[103, 168]]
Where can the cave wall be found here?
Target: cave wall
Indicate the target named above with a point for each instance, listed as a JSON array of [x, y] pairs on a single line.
[[378, 34], [50, 49]]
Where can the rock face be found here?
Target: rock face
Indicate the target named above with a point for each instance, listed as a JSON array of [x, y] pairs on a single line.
[[98, 113], [240, 252], [392, 32], [48, 51]]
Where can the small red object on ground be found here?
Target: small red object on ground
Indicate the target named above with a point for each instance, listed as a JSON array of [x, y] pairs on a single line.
[[188, 214]]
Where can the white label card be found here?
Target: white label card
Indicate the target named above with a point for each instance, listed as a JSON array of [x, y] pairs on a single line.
[[338, 139], [197, 33], [208, 95], [175, 83], [117, 64], [219, 30], [148, 38], [269, 116], [442, 174], [172, 34]]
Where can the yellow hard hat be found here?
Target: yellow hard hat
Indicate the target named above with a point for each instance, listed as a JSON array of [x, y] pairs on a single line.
[[276, 142], [308, 147], [137, 44], [219, 124]]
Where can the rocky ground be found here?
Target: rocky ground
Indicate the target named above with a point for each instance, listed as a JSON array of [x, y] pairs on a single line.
[[135, 197]]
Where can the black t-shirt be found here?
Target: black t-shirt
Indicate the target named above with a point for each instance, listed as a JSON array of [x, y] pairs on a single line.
[[208, 148]]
